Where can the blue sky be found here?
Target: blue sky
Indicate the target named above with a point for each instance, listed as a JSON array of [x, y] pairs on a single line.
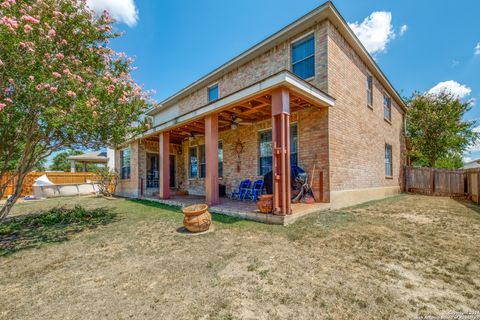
[[418, 44]]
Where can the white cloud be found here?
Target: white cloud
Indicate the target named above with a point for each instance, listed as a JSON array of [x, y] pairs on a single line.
[[477, 49], [467, 159], [122, 10], [451, 86], [403, 29], [375, 32]]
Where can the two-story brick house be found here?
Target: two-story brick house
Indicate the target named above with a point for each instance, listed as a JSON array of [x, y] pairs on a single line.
[[309, 95]]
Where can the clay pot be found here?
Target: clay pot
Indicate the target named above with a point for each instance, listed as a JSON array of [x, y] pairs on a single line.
[[265, 203], [197, 218]]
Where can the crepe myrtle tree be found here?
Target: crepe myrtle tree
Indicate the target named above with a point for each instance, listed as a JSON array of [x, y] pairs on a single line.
[[61, 86], [437, 130]]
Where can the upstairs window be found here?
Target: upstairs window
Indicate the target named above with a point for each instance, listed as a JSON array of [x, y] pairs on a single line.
[[213, 93], [388, 161], [387, 108], [370, 90], [125, 164], [303, 57]]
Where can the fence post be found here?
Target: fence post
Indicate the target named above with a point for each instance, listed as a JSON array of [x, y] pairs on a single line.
[[478, 186], [433, 181]]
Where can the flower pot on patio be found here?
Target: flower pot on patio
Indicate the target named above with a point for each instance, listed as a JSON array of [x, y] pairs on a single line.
[[265, 203], [197, 218]]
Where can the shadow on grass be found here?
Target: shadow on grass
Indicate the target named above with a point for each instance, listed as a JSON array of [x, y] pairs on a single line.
[[470, 204], [55, 225], [220, 218]]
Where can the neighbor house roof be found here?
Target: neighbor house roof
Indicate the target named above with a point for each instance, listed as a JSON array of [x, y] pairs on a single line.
[[95, 157], [325, 11], [472, 164]]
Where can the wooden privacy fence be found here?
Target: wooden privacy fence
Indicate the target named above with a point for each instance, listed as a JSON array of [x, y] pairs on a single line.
[[443, 182], [55, 177]]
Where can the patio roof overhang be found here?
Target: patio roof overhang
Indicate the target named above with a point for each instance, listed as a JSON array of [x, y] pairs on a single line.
[[252, 104]]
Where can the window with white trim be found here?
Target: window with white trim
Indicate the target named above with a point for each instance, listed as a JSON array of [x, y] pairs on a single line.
[[303, 57], [388, 161], [125, 158], [213, 93], [265, 149], [369, 90], [387, 108]]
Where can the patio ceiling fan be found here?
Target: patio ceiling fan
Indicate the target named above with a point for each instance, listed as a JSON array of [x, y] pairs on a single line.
[[235, 122], [192, 136]]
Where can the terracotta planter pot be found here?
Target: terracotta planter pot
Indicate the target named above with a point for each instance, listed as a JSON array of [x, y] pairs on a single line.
[[265, 203], [197, 218]]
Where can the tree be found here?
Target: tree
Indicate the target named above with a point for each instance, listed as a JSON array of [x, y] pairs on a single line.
[[61, 86], [436, 128]]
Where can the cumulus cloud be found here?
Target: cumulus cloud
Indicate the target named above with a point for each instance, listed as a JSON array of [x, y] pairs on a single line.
[[403, 29], [375, 32], [477, 49], [451, 86], [122, 10]]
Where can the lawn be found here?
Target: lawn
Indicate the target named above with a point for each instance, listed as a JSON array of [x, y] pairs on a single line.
[[399, 258]]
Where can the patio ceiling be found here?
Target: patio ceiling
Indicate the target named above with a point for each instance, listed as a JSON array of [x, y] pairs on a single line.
[[249, 111]]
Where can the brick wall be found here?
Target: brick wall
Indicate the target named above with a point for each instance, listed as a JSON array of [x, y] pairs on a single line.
[[358, 133], [267, 64]]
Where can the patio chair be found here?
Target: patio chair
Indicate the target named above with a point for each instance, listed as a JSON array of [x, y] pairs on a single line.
[[239, 194], [255, 192]]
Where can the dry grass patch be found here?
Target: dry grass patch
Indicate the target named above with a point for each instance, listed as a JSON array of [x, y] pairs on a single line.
[[393, 259]]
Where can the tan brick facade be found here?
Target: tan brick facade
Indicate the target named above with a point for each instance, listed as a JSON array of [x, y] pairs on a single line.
[[347, 141]]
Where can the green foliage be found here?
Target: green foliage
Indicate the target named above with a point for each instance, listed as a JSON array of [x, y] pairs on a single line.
[[61, 86], [107, 180], [437, 131], [54, 225]]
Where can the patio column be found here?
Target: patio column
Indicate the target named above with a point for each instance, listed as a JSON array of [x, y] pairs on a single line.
[[164, 165], [73, 167], [281, 151], [211, 160]]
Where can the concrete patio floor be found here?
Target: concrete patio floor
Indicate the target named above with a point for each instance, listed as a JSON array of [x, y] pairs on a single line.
[[244, 209]]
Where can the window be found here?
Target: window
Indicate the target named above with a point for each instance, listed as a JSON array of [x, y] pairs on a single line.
[[303, 57], [387, 108], [265, 149], [202, 161], [192, 162], [369, 90], [388, 161], [213, 93], [125, 164], [220, 159]]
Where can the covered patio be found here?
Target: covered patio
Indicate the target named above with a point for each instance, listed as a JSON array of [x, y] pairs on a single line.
[[273, 99], [244, 209]]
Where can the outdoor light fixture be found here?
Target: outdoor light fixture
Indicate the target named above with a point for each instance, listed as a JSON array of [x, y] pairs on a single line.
[[234, 126]]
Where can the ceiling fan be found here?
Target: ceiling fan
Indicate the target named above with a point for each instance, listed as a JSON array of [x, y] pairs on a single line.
[[192, 136], [235, 122]]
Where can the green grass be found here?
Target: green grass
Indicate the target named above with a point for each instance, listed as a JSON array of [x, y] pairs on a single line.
[[54, 225]]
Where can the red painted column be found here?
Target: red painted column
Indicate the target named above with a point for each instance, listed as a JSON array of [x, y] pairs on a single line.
[[164, 164], [281, 151], [211, 160]]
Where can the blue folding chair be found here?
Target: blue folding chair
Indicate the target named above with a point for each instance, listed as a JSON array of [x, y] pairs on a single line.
[[239, 194], [255, 192]]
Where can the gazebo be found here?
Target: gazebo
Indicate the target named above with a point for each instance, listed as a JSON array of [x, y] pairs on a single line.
[[88, 158]]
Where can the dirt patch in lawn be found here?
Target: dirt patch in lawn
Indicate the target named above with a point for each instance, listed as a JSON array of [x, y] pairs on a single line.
[[399, 258]]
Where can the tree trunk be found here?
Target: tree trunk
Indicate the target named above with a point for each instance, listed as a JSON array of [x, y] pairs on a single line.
[[7, 207]]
